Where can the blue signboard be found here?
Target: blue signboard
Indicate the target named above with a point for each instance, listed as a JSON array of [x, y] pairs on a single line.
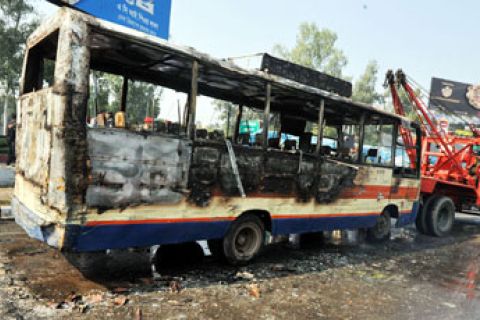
[[149, 16]]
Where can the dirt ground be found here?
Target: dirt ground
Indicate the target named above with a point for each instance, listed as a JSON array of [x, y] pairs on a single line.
[[410, 277]]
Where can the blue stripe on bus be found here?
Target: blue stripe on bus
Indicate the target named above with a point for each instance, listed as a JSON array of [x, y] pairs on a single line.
[[304, 225], [119, 236], [405, 219]]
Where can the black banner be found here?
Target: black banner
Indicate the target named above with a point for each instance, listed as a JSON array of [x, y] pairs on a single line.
[[452, 96], [451, 101], [306, 76]]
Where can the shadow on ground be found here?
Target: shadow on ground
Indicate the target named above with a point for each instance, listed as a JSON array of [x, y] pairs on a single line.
[[54, 276]]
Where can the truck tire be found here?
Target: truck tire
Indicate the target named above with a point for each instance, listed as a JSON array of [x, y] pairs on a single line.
[[381, 231], [423, 212], [441, 216], [244, 240]]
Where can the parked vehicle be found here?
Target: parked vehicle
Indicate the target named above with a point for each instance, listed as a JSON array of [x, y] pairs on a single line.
[[83, 188], [449, 165]]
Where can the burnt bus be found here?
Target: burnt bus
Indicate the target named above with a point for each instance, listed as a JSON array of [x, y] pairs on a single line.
[[81, 188]]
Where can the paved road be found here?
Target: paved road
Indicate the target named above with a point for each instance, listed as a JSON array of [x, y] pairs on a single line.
[[410, 277]]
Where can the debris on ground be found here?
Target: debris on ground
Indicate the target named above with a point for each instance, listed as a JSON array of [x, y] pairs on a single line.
[[412, 276], [254, 291]]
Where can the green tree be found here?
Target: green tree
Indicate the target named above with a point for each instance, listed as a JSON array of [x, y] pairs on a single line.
[[227, 112], [16, 24], [315, 49], [106, 84], [142, 100], [364, 89]]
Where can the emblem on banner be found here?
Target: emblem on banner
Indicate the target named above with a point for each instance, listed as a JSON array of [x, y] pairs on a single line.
[[473, 96], [447, 91], [146, 5]]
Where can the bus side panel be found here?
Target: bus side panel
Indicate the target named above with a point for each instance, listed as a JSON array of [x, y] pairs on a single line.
[[405, 193], [306, 225], [128, 168], [118, 236]]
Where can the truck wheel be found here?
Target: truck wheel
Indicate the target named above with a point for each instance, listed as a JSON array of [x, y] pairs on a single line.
[[382, 229], [423, 212], [244, 240], [441, 216]]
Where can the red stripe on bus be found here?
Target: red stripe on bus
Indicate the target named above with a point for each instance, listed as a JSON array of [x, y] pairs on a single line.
[[156, 221], [373, 192]]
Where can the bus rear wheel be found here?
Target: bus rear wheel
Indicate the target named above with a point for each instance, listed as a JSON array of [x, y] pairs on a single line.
[[380, 232], [244, 240], [440, 217]]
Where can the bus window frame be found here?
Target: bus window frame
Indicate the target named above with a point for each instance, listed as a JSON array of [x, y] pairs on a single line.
[[393, 147], [34, 65], [417, 147]]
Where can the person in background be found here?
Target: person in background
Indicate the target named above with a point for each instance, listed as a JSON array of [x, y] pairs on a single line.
[[11, 136], [109, 120]]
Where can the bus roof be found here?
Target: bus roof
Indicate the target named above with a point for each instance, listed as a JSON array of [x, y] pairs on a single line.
[[123, 51]]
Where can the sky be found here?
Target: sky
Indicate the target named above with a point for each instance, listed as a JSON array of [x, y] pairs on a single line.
[[427, 38]]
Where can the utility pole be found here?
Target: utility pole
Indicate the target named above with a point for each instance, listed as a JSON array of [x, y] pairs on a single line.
[[5, 112]]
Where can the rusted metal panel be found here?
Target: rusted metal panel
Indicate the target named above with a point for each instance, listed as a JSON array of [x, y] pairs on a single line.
[[130, 168], [335, 178], [51, 135], [34, 136], [73, 62]]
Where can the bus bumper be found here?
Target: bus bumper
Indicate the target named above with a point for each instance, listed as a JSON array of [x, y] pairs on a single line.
[[36, 227]]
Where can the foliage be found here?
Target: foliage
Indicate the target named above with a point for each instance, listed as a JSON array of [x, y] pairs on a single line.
[[16, 23], [315, 49], [364, 89], [142, 100], [15, 26], [227, 112]]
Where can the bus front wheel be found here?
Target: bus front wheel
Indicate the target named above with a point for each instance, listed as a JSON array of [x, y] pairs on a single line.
[[244, 240], [380, 232]]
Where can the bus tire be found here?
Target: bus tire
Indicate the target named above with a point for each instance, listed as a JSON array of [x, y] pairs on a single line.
[[441, 216], [244, 240], [381, 231], [421, 220]]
